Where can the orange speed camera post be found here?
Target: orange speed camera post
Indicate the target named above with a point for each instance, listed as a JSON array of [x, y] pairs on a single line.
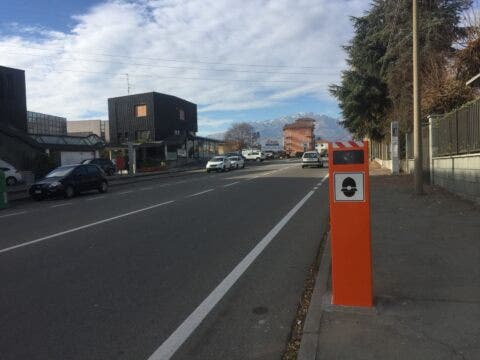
[[350, 224]]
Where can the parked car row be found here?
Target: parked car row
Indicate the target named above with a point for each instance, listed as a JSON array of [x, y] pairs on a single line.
[[225, 163]]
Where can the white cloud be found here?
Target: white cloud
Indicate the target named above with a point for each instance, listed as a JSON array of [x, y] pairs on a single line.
[[200, 50]]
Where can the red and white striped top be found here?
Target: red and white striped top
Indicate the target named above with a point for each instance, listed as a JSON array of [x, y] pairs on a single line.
[[347, 144]]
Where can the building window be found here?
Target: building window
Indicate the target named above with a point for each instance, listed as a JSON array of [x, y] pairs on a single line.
[[143, 135], [181, 114], [140, 110]]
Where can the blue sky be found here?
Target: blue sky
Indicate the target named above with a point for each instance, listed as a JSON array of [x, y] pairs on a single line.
[[238, 61]]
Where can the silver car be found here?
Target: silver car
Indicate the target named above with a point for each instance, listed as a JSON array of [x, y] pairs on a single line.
[[218, 163], [237, 162], [311, 159]]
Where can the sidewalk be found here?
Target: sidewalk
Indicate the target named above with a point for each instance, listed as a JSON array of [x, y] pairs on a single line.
[[426, 258]]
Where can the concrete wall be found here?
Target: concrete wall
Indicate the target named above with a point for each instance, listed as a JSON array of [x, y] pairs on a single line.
[[384, 163], [459, 174], [406, 166]]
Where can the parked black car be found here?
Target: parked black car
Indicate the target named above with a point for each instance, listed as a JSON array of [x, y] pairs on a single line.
[[70, 180], [106, 164]]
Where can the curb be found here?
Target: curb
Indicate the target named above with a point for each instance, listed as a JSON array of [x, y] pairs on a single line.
[[311, 329]]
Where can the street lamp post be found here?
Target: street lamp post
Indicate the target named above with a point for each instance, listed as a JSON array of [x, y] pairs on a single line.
[[417, 127]]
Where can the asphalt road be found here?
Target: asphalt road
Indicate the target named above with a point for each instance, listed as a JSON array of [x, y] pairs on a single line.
[[205, 266]]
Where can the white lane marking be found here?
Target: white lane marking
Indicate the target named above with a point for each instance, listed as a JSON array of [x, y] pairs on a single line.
[[231, 184], [126, 192], [200, 193], [323, 180], [146, 188], [62, 204], [96, 198], [178, 337], [13, 214], [268, 173], [48, 237], [315, 188]]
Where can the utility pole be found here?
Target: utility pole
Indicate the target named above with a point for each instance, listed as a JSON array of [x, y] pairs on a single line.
[[417, 126]]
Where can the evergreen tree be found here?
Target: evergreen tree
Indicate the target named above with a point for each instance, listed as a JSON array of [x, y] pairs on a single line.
[[378, 86]]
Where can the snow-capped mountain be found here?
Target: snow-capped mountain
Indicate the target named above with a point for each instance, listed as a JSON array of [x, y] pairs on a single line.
[[326, 127]]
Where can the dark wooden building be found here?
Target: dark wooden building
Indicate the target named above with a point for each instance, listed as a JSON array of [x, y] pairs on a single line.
[[13, 103], [150, 117]]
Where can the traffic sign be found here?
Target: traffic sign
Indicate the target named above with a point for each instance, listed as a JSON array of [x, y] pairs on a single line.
[[349, 186]]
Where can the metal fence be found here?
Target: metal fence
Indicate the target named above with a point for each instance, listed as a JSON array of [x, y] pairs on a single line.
[[457, 132], [380, 150]]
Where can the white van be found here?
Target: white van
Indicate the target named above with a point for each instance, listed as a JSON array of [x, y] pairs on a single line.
[[253, 154]]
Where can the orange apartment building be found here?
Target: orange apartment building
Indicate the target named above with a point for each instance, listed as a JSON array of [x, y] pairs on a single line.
[[298, 137]]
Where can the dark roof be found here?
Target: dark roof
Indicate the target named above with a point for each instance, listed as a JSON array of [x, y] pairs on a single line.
[[208, 139], [153, 93], [20, 135], [69, 143], [10, 69]]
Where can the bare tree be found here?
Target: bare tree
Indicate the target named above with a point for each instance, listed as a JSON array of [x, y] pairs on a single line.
[[240, 136]]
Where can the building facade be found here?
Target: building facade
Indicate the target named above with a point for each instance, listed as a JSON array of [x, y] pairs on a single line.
[[44, 124], [87, 127], [299, 137], [150, 117], [13, 103]]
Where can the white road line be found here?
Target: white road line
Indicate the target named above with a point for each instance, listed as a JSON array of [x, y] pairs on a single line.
[[315, 188], [146, 188], [83, 227], [13, 214], [178, 337], [200, 193], [126, 192], [62, 204], [231, 184], [323, 180], [96, 198]]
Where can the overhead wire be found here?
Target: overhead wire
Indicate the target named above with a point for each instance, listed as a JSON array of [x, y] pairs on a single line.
[[176, 60], [168, 66]]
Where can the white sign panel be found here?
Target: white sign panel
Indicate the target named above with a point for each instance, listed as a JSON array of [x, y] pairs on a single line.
[[182, 152], [349, 186]]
